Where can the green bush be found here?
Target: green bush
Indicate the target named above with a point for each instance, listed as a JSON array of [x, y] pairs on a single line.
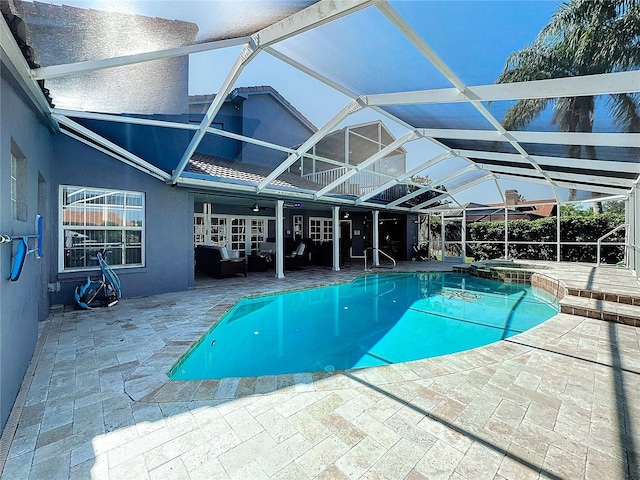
[[572, 229]]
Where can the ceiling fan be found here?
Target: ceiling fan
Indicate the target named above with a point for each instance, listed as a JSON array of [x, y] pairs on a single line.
[[256, 208]]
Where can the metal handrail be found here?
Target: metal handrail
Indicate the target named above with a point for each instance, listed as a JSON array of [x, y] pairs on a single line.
[[606, 235], [379, 251]]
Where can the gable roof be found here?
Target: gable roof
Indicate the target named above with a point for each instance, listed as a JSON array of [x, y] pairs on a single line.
[[257, 90]]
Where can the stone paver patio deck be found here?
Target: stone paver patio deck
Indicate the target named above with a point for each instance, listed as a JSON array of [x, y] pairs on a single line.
[[555, 402]]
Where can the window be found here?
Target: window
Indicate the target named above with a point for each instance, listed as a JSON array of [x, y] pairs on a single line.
[[321, 229], [18, 187], [238, 235], [95, 219], [258, 232], [297, 226], [199, 229], [218, 231]]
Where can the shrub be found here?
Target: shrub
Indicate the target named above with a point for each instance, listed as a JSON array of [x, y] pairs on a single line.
[[572, 229]]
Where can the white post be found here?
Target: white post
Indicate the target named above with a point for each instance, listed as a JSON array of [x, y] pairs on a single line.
[[506, 233], [442, 239], [558, 249], [336, 239], [279, 238], [376, 239], [464, 236], [206, 208]]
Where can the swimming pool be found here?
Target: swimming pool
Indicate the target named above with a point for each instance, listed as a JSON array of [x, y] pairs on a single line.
[[371, 321]]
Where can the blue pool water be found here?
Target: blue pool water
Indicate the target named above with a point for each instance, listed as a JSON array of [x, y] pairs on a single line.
[[374, 320]]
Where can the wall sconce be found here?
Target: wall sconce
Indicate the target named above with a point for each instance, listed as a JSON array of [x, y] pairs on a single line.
[[346, 215], [256, 208]]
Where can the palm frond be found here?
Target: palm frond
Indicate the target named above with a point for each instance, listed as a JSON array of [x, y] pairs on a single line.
[[625, 110], [523, 112]]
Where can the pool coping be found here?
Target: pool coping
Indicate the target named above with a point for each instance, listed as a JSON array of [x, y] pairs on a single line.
[[150, 382]]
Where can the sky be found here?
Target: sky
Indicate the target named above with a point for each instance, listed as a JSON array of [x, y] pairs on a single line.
[[365, 53]]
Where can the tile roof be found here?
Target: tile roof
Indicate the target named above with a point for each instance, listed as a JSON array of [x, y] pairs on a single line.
[[233, 170]]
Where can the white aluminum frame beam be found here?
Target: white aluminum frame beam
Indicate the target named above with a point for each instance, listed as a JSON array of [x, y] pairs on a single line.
[[563, 184], [566, 177], [409, 137], [139, 162], [600, 84], [543, 161], [63, 70], [552, 138]]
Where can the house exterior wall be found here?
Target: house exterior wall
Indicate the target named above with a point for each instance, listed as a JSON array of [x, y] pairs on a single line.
[[162, 147], [229, 119], [263, 118], [168, 222], [25, 301]]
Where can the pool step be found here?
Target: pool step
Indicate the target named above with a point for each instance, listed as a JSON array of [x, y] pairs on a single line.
[[610, 307]]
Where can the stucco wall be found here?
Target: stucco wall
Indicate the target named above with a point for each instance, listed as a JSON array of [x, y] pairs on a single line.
[[168, 221], [228, 118], [163, 147], [23, 302], [266, 119]]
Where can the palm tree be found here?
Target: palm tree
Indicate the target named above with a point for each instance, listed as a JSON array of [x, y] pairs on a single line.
[[584, 37]]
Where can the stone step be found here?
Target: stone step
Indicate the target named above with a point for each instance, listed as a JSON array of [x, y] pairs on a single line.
[[611, 311], [627, 298]]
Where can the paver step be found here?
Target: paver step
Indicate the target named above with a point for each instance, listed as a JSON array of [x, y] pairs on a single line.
[[601, 309], [618, 297]]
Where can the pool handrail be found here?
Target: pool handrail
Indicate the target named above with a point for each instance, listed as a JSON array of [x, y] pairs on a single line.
[[379, 251]]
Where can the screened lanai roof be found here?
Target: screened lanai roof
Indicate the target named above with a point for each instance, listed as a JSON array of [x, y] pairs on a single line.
[[427, 69]]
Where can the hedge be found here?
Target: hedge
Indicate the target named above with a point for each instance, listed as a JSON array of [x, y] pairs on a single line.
[[572, 229]]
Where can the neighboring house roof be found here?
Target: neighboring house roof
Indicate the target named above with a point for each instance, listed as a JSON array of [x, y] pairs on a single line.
[[541, 208], [256, 90], [526, 209], [245, 172]]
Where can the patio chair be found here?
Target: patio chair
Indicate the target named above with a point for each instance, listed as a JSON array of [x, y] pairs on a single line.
[[215, 261], [297, 258]]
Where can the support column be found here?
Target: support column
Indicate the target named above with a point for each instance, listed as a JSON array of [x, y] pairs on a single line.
[[558, 236], [336, 238], [376, 238], [442, 239], [464, 236], [506, 233], [279, 238]]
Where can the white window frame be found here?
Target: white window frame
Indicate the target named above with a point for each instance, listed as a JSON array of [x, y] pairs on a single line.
[[259, 226], [321, 229], [62, 229], [238, 233], [298, 224], [19, 184]]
